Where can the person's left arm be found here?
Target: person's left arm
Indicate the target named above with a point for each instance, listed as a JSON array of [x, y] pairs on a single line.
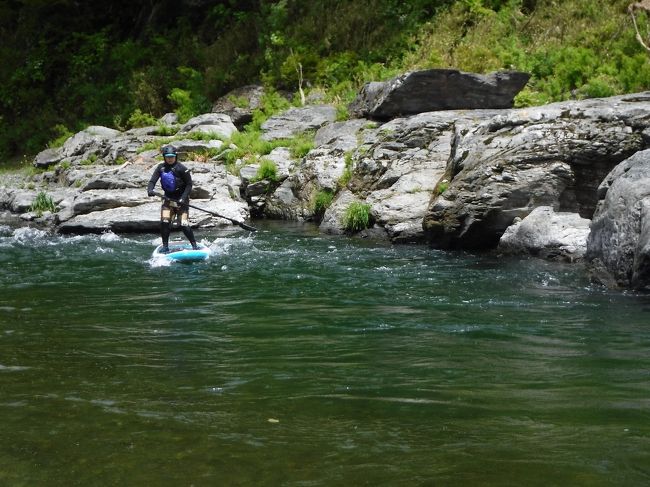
[[186, 176]]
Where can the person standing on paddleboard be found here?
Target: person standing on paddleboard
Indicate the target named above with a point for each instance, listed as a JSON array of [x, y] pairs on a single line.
[[176, 182]]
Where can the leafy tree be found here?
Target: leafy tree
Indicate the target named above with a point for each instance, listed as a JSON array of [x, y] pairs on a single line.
[[65, 63]]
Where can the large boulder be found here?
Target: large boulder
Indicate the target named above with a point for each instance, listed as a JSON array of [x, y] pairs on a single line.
[[94, 141], [398, 167], [47, 158], [619, 243], [548, 234], [507, 165], [217, 124], [437, 89], [21, 200], [240, 103]]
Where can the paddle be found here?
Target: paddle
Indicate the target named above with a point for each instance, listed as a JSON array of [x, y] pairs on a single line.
[[236, 222]]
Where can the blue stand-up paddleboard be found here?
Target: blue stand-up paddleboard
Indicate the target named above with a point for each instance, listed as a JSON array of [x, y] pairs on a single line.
[[182, 252]]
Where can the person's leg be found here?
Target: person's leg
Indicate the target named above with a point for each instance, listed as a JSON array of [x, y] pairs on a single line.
[[186, 228], [165, 231], [165, 226]]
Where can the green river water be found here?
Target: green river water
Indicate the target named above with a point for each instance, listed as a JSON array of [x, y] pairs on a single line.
[[292, 358]]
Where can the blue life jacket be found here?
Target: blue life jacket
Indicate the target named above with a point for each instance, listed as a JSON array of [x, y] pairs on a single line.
[[168, 180]]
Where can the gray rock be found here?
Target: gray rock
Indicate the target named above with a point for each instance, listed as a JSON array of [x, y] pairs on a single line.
[[248, 173], [437, 89], [92, 141], [142, 218], [322, 167], [506, 165], [270, 197], [141, 131], [340, 135], [118, 178], [400, 171], [618, 247], [124, 147], [297, 120], [240, 103], [222, 204], [334, 219], [549, 234], [458, 178], [320, 170], [47, 158], [19, 200], [257, 188], [332, 222], [210, 123], [93, 135], [281, 156], [169, 119], [284, 204], [99, 200]]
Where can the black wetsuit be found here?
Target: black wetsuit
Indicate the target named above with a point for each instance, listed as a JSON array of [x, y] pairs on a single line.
[[181, 192], [182, 176]]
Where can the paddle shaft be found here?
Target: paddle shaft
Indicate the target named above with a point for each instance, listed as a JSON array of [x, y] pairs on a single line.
[[236, 222]]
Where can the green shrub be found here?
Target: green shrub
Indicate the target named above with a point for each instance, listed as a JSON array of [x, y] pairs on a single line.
[[203, 136], [153, 145], [183, 101], [92, 158], [189, 98], [322, 201], [300, 145], [248, 146], [165, 130], [356, 217], [61, 134], [239, 101], [530, 98], [347, 172], [267, 170], [42, 203], [599, 87], [342, 112], [139, 119], [271, 103]]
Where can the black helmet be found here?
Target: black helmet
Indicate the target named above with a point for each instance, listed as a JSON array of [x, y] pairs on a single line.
[[168, 150]]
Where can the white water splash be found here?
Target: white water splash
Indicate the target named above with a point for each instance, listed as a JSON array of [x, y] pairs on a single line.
[[29, 235], [111, 237]]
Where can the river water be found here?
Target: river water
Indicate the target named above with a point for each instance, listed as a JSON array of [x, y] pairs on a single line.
[[297, 359]]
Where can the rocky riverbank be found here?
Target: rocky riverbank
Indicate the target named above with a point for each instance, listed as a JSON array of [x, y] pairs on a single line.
[[569, 180]]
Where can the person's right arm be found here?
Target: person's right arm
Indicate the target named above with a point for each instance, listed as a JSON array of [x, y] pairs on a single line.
[[152, 182]]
